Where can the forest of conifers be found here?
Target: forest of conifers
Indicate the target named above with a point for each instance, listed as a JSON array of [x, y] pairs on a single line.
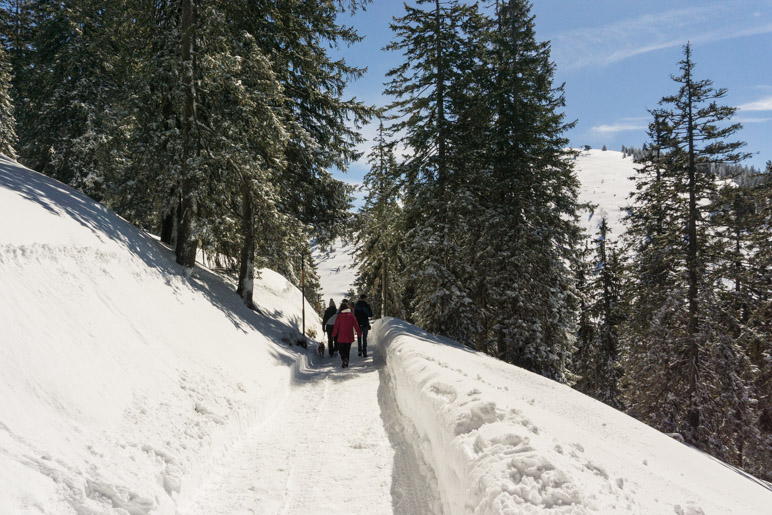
[[216, 126]]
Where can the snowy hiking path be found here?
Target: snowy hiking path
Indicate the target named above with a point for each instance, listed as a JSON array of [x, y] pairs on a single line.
[[324, 450]]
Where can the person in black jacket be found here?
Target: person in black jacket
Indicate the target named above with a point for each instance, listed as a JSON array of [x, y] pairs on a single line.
[[363, 314], [328, 323]]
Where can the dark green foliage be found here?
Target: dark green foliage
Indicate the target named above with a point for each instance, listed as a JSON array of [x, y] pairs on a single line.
[[489, 191], [597, 357], [215, 122], [684, 369], [7, 118], [380, 242]]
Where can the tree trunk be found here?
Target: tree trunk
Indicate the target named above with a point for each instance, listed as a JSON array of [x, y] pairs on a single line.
[[691, 259], [247, 266], [187, 243], [693, 414], [383, 285], [168, 226]]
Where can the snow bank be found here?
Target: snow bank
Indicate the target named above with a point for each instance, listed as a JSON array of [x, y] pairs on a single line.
[[497, 439], [122, 380]]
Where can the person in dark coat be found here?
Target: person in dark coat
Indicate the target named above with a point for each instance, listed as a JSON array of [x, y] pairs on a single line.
[[363, 314], [343, 331], [328, 322]]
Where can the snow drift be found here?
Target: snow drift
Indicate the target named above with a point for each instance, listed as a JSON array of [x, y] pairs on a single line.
[[121, 378], [494, 438]]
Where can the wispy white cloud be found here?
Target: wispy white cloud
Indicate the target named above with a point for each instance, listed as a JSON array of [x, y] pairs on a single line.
[[602, 46], [763, 104], [627, 124], [752, 120]]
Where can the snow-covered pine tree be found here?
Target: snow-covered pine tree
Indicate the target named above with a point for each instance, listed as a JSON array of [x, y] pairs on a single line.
[[65, 119], [7, 118], [606, 310], [321, 125], [16, 36], [379, 236], [242, 108], [530, 228], [148, 189], [434, 41], [746, 221], [584, 359], [680, 350], [297, 36]]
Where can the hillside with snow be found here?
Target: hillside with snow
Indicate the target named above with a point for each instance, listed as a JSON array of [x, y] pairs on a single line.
[[132, 387], [604, 176]]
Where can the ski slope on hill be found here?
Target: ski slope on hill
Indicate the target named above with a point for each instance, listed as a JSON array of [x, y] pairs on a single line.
[[128, 386], [605, 181]]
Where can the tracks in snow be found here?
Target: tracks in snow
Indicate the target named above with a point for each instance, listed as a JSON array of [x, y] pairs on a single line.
[[329, 448]]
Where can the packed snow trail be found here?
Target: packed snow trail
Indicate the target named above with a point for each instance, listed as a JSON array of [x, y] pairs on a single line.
[[325, 450]]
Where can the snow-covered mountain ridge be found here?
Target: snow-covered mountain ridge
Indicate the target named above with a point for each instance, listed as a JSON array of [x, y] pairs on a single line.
[[129, 387]]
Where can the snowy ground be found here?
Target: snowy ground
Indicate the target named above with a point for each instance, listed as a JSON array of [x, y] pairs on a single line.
[[127, 387]]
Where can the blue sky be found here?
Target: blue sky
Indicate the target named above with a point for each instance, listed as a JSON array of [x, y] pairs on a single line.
[[615, 58]]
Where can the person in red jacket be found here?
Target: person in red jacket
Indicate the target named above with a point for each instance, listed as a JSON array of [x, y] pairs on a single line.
[[343, 331]]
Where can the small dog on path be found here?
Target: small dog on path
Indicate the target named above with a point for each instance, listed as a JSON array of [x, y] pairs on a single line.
[[321, 349]]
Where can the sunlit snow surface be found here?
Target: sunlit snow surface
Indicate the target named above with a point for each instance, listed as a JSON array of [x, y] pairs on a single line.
[[337, 270], [605, 182], [128, 387]]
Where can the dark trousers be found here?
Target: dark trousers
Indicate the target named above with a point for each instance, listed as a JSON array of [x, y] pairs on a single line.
[[330, 339], [362, 340], [345, 350]]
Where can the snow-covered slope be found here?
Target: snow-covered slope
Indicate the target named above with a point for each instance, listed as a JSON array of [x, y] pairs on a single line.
[[493, 438], [121, 380], [604, 178], [337, 270], [128, 387]]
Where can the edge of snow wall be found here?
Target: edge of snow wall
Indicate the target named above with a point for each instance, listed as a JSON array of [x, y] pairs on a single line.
[[466, 445]]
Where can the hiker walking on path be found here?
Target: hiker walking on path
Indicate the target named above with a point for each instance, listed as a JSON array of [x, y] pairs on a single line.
[[363, 314], [343, 331], [328, 322]]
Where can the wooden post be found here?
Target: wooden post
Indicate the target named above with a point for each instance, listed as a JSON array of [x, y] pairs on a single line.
[[383, 286], [303, 302]]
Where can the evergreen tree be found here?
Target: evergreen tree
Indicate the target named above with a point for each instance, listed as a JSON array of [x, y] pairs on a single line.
[[607, 311], [530, 208], [680, 348], [65, 119], [379, 239], [747, 223], [7, 118], [16, 35], [584, 361], [434, 45]]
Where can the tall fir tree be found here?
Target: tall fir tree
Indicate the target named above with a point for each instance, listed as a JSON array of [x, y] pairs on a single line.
[[7, 118], [584, 363], [745, 220], [530, 230], [379, 238], [65, 119], [433, 37], [680, 350], [607, 311]]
